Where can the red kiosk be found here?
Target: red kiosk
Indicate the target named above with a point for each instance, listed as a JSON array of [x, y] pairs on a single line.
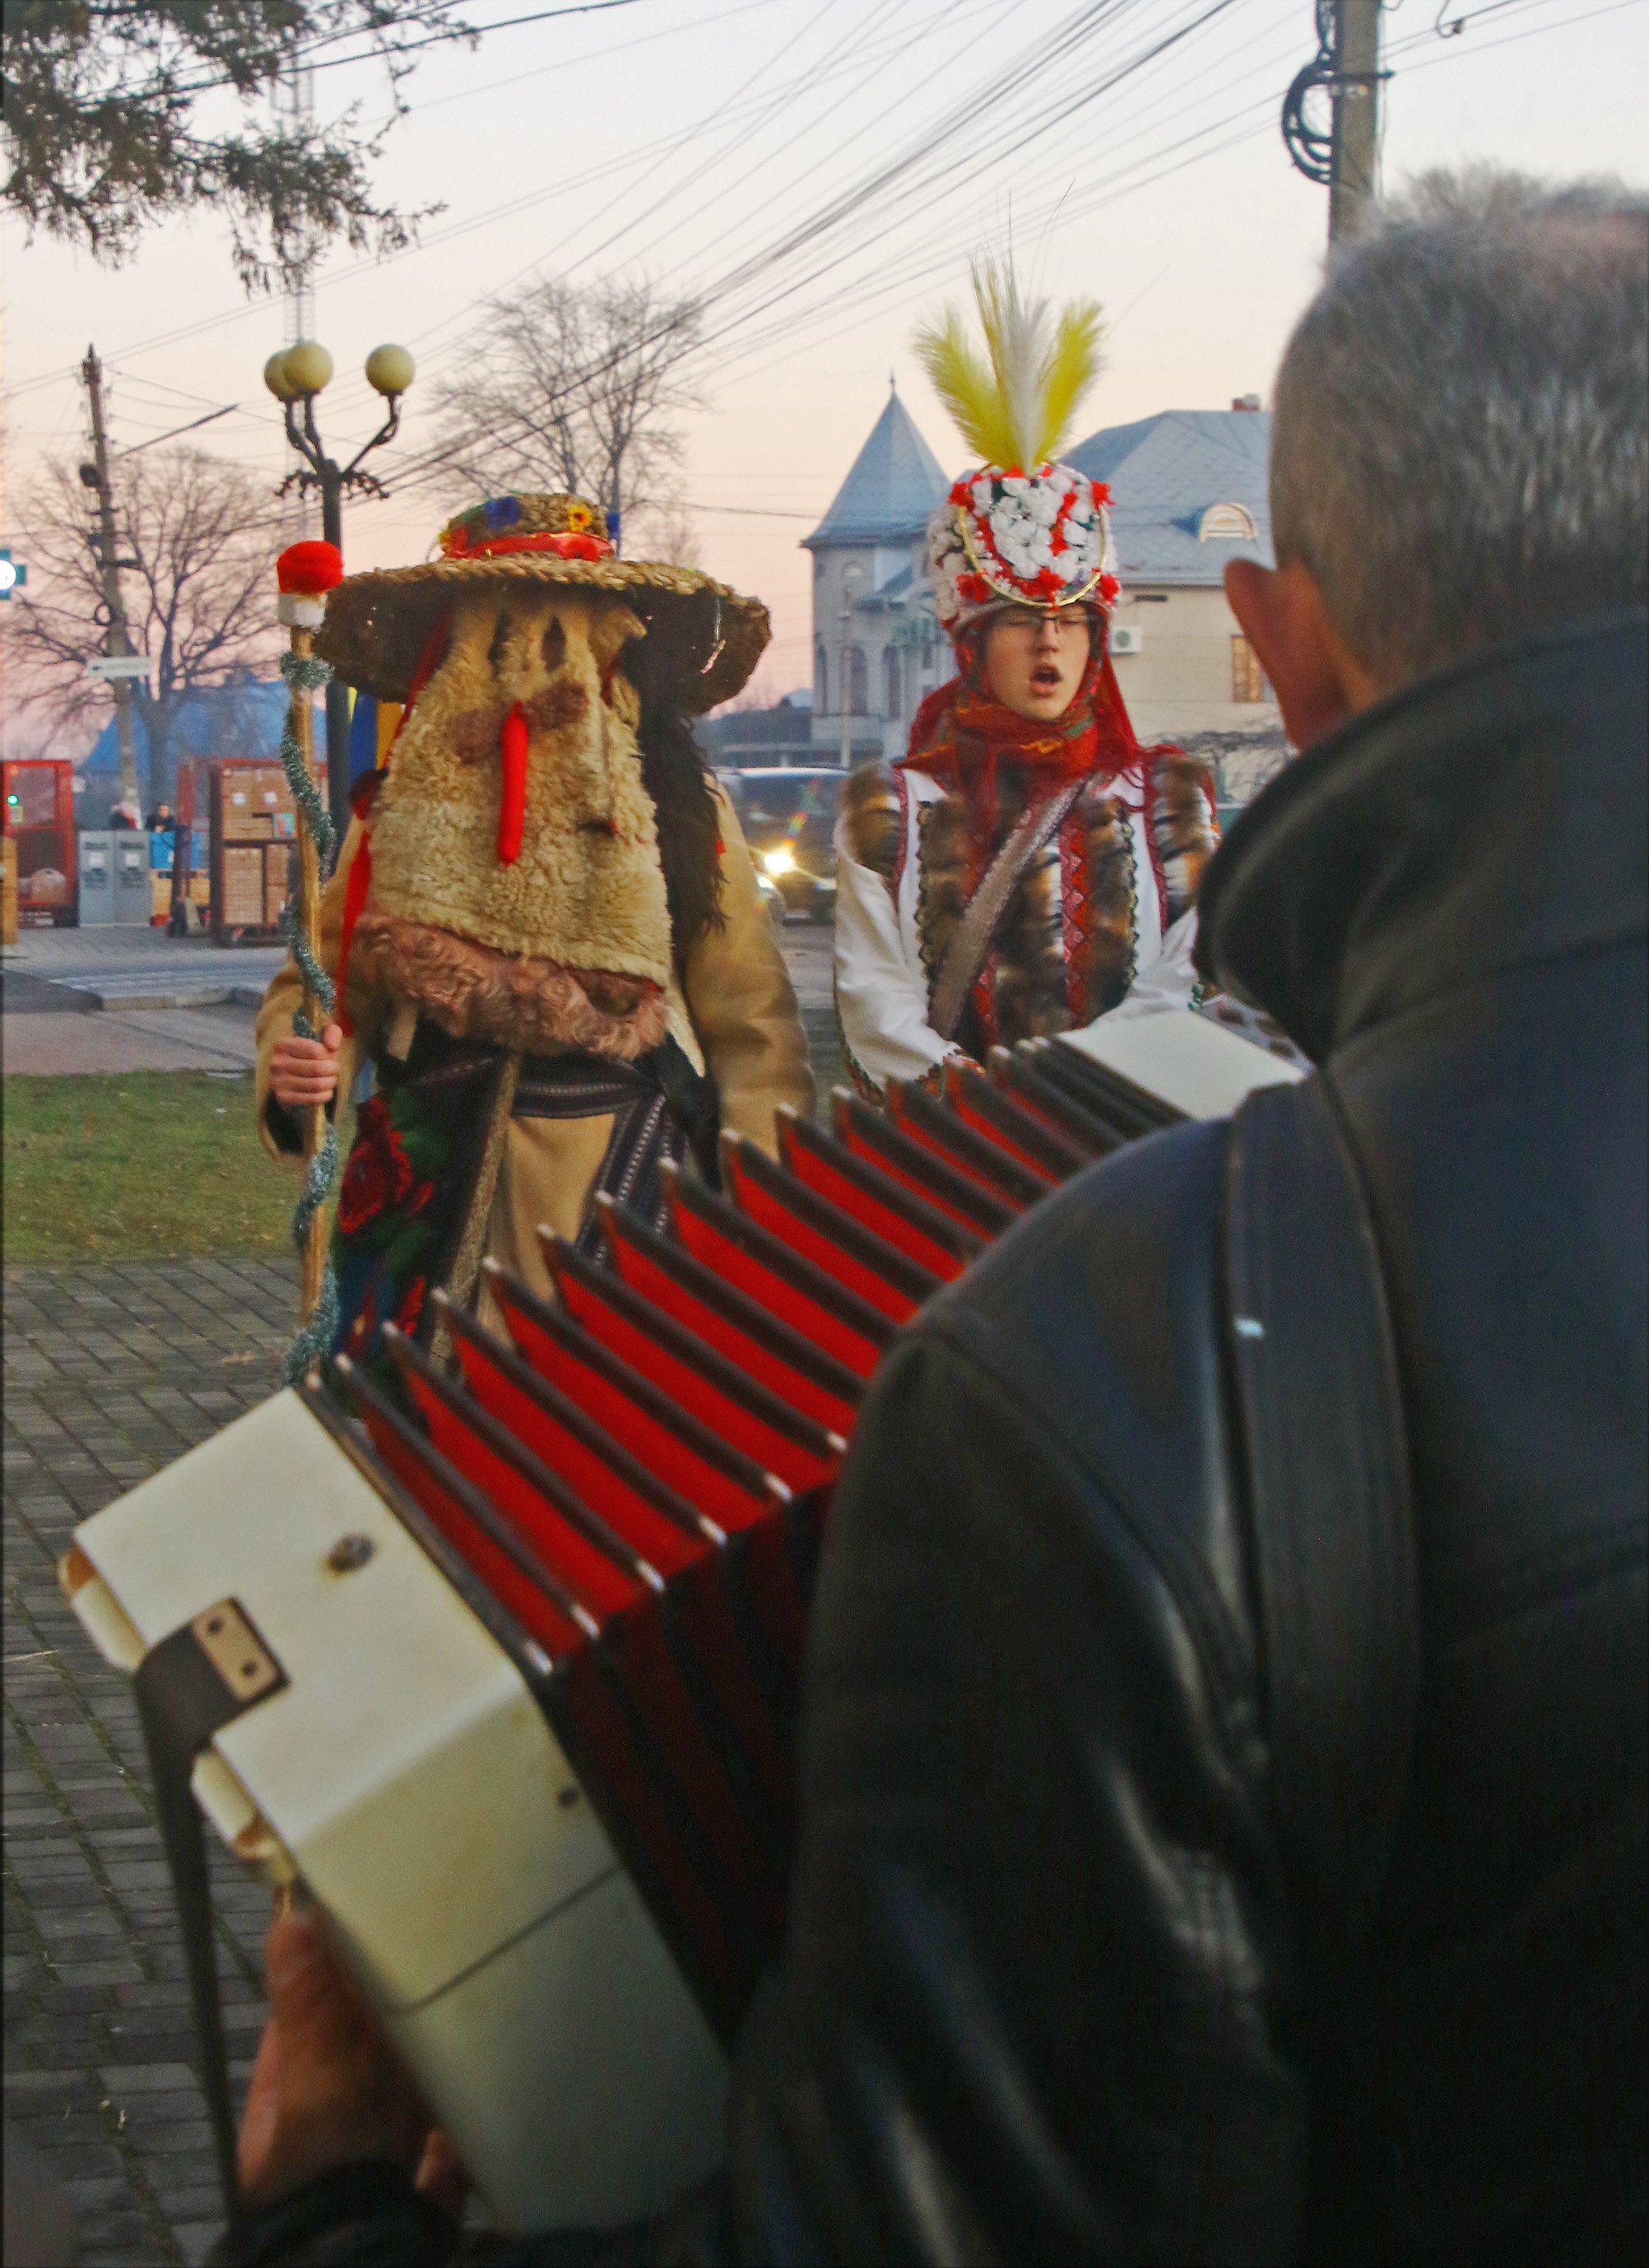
[[39, 818]]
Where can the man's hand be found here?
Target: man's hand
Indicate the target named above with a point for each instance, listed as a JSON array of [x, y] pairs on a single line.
[[326, 2090], [303, 1073]]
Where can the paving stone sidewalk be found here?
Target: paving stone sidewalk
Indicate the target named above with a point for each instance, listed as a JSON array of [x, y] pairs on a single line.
[[111, 1372]]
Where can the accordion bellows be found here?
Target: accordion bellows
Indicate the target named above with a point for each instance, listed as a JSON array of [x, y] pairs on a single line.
[[514, 1654]]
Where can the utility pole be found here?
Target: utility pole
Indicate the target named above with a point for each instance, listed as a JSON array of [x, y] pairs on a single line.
[[118, 643], [1343, 156], [1355, 117]]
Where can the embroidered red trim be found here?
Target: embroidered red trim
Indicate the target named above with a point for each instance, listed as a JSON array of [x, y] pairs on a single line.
[[559, 547]]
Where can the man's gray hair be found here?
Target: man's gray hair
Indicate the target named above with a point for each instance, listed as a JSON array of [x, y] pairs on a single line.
[[1461, 447]]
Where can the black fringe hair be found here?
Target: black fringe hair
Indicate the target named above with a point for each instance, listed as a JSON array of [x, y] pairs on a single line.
[[675, 775]]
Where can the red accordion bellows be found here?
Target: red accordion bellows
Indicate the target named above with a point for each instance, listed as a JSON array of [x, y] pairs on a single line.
[[637, 1476]]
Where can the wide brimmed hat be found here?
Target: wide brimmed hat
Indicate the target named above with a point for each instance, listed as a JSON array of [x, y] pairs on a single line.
[[377, 625]]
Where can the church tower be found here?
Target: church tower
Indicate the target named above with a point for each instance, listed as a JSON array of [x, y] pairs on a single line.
[[877, 647]]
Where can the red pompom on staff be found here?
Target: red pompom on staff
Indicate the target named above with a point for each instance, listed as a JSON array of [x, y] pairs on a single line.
[[306, 572]]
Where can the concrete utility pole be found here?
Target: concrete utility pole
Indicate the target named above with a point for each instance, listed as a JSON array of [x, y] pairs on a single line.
[[1342, 155], [1356, 116], [117, 642]]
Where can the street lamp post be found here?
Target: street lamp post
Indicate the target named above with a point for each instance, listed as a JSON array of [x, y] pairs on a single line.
[[295, 378], [851, 574]]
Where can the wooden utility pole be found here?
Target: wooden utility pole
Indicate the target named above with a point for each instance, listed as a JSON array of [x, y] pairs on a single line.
[[117, 643], [1356, 148]]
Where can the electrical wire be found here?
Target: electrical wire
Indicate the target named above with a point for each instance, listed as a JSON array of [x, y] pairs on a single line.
[[473, 33], [996, 89]]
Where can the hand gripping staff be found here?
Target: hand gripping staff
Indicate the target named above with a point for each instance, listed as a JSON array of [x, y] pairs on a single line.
[[306, 572]]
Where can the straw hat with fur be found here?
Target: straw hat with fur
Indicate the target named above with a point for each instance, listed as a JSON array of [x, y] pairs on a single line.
[[378, 624]]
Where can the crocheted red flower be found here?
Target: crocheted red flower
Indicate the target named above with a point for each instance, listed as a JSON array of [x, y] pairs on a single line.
[[379, 1174], [411, 1307]]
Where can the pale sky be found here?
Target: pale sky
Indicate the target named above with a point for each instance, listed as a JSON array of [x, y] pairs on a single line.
[[688, 139]]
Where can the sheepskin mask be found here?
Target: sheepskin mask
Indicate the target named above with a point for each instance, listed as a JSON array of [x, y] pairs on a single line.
[[516, 893]]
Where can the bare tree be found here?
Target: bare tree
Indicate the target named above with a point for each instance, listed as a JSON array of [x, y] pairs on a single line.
[[667, 531], [202, 536], [574, 388]]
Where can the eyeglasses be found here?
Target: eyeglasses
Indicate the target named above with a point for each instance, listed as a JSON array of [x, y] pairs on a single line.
[[1027, 622]]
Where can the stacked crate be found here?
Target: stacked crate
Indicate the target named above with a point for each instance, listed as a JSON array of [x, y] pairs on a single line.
[[253, 828]]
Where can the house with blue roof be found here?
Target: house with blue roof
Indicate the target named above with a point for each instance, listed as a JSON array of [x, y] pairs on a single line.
[[877, 646], [1189, 492]]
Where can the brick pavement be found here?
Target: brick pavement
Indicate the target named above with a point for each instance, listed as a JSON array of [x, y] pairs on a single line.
[[111, 1373]]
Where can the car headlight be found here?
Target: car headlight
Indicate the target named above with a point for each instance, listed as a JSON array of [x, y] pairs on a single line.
[[778, 862]]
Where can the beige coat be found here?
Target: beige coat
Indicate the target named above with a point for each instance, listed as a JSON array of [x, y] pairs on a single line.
[[733, 1012]]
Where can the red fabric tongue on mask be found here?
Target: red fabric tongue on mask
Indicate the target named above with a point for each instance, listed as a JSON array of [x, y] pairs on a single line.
[[512, 799]]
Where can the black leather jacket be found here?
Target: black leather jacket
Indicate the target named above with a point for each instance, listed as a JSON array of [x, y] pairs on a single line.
[[1042, 2000]]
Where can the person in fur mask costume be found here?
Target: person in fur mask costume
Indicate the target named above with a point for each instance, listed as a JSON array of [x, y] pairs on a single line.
[[1026, 867], [544, 926]]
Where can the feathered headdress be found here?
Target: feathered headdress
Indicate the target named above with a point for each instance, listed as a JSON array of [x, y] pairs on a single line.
[[1014, 405], [1023, 527]]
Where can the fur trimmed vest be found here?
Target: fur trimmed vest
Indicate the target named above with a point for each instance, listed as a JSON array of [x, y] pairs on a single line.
[[1066, 949]]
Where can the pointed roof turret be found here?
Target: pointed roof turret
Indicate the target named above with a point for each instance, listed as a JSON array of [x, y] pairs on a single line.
[[894, 484]]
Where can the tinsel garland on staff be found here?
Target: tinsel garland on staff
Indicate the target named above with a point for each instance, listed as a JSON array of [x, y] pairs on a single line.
[[305, 572]]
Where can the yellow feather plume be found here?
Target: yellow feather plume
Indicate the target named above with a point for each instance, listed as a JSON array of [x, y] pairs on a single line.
[[1014, 406]]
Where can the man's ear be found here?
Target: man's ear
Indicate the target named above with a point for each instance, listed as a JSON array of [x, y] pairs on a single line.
[[1317, 683]]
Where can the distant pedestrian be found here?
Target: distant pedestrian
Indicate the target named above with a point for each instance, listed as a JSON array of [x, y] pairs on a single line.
[[126, 814]]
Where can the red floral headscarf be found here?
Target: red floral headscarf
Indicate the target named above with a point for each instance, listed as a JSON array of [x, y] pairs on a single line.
[[961, 732]]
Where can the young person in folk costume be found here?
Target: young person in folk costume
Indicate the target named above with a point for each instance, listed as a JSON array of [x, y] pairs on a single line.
[[544, 924], [1028, 868]]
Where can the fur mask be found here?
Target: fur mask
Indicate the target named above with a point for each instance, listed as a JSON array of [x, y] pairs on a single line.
[[565, 944]]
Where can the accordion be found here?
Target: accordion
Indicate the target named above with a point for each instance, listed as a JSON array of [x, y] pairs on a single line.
[[500, 1657]]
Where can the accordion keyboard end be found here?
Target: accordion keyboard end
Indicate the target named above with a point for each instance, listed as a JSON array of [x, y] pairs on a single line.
[[99, 1612], [238, 1821]]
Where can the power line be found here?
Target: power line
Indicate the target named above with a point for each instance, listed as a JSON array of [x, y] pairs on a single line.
[[383, 53]]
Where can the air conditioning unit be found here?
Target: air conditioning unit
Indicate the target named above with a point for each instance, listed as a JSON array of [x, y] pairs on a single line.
[[1126, 639]]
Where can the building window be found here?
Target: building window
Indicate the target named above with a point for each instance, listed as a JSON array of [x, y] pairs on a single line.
[[1247, 679], [821, 682], [892, 689], [1230, 523], [858, 683]]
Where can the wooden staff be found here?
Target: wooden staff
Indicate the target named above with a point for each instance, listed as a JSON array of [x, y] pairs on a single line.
[[306, 571]]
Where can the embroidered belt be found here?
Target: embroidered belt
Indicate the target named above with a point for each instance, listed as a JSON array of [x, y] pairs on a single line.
[[645, 1130], [579, 1087]]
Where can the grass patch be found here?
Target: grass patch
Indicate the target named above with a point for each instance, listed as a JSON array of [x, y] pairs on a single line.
[[152, 1165]]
